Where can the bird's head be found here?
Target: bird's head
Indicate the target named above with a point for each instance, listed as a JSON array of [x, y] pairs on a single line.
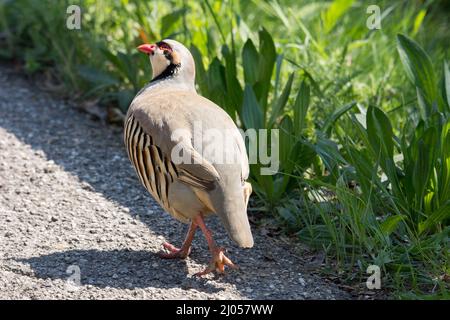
[[169, 58]]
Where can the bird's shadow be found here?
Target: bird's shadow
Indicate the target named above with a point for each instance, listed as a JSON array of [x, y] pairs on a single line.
[[93, 152], [122, 269]]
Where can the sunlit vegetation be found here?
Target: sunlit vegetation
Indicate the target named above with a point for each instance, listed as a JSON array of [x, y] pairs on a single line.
[[363, 114]]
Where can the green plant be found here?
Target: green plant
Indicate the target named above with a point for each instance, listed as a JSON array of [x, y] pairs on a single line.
[[396, 212]]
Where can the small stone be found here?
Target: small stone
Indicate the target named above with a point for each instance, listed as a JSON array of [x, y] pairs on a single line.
[[302, 281], [49, 170], [86, 186]]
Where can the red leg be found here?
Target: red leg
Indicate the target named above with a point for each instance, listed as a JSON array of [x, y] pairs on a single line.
[[185, 249], [219, 260]]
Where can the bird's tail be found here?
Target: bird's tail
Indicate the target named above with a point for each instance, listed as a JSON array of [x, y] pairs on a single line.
[[233, 210]]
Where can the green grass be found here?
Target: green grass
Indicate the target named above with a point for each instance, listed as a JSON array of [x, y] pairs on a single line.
[[363, 114]]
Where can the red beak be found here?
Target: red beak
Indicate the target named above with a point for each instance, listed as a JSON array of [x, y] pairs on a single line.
[[147, 48]]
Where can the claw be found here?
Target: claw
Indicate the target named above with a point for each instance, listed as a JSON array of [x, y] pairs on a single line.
[[218, 263]]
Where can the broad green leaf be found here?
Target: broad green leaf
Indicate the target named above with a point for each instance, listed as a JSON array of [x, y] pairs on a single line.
[[446, 84], [424, 109], [278, 107], [267, 58], [335, 116], [335, 11], [444, 176], [379, 131], [419, 69], [216, 84], [200, 72], [264, 185], [234, 89], [302, 155], [286, 138], [251, 111], [381, 137], [436, 217], [278, 64], [250, 62], [286, 145], [424, 162], [391, 223], [301, 108], [267, 55], [366, 171], [330, 155], [230, 59], [169, 21]]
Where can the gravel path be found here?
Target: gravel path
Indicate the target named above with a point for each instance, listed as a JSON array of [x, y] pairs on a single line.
[[70, 201]]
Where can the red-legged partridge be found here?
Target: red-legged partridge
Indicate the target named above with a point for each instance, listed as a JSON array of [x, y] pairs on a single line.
[[188, 153]]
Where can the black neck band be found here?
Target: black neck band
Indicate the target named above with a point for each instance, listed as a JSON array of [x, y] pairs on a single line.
[[168, 72]]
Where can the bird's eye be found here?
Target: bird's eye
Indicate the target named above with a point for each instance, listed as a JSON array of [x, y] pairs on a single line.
[[164, 46]]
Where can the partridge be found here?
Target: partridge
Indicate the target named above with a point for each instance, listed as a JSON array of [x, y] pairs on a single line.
[[188, 153]]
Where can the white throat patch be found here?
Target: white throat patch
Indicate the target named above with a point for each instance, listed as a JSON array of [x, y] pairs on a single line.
[[159, 62]]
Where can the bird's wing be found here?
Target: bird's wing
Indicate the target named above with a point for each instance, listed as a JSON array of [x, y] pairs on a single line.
[[160, 125]]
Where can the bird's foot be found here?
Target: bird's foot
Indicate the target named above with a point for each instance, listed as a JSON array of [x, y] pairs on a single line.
[[218, 263], [174, 252]]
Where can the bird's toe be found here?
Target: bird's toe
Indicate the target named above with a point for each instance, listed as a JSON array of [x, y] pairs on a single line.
[[218, 263], [174, 252]]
